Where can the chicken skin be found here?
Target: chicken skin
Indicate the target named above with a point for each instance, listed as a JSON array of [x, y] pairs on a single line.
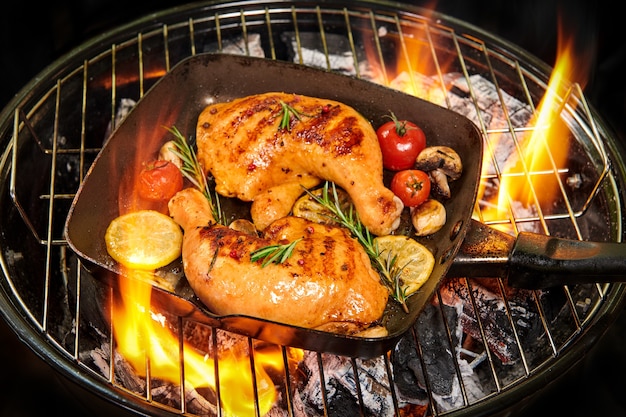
[[327, 283], [265, 148]]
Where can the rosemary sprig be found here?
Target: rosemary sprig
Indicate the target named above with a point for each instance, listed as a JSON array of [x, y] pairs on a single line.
[[287, 113], [192, 170], [390, 273], [387, 266], [274, 253]]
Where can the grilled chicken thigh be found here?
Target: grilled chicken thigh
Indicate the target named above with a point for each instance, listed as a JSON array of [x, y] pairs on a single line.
[[265, 148], [328, 282]]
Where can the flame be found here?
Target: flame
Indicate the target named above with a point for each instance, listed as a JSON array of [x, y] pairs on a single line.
[[417, 70], [532, 180], [422, 70], [147, 343], [123, 79]]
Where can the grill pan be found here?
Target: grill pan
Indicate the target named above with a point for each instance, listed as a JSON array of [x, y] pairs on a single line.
[[530, 260], [177, 100]]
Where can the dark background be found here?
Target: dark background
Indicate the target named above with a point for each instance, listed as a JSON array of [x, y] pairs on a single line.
[[33, 35]]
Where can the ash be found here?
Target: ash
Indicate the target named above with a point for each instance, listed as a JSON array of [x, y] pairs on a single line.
[[161, 391], [343, 381]]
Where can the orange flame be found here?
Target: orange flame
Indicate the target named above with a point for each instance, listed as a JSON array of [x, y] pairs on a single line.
[[532, 180], [147, 343], [416, 68]]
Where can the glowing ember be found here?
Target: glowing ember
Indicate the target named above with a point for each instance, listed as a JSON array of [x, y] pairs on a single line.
[[418, 70]]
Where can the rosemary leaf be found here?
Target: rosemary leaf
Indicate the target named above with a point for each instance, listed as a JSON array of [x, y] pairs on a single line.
[[287, 112], [192, 170], [274, 253]]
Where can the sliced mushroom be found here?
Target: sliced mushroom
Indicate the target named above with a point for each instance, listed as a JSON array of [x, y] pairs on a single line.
[[443, 164], [428, 217], [439, 184], [442, 158], [166, 153]]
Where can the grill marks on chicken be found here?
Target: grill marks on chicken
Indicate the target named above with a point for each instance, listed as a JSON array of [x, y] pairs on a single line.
[[328, 283], [243, 146]]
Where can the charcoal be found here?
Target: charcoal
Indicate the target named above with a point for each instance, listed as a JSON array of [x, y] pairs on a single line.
[[436, 353], [341, 387], [239, 46], [436, 356], [170, 395], [342, 402], [490, 102], [311, 51], [278, 411], [124, 107], [375, 387], [439, 360], [407, 372], [162, 392], [250, 45], [487, 111], [496, 322]]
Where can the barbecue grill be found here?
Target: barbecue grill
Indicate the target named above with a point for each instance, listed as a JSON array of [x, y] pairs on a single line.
[[499, 345]]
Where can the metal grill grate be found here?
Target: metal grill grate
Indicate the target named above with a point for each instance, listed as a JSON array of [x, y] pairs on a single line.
[[490, 348]]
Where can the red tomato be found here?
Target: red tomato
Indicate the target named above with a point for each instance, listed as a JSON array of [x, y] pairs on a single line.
[[412, 186], [159, 180], [400, 142]]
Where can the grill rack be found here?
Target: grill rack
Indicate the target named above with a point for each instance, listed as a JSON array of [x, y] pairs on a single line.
[[53, 119]]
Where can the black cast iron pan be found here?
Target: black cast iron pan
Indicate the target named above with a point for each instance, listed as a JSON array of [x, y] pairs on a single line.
[[178, 98]]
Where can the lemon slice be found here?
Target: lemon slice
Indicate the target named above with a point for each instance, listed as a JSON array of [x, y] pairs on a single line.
[[415, 260], [308, 208], [144, 239]]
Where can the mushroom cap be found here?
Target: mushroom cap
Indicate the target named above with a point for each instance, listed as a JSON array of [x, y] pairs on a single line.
[[442, 158]]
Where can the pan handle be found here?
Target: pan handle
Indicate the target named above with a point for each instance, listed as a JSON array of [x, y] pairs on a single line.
[[539, 261], [535, 261]]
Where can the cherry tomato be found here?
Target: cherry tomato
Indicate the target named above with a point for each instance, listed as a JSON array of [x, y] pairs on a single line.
[[159, 180], [400, 142], [412, 186]]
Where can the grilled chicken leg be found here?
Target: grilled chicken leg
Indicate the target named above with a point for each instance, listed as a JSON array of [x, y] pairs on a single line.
[[328, 282], [265, 148]]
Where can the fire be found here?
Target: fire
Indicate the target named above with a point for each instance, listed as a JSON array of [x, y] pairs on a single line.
[[532, 180], [527, 183], [154, 351], [122, 79], [417, 70]]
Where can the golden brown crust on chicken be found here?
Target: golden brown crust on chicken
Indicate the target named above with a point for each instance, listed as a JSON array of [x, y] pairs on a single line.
[[328, 282], [242, 144]]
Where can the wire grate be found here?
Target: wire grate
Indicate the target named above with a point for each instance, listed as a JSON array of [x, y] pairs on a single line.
[[496, 339]]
